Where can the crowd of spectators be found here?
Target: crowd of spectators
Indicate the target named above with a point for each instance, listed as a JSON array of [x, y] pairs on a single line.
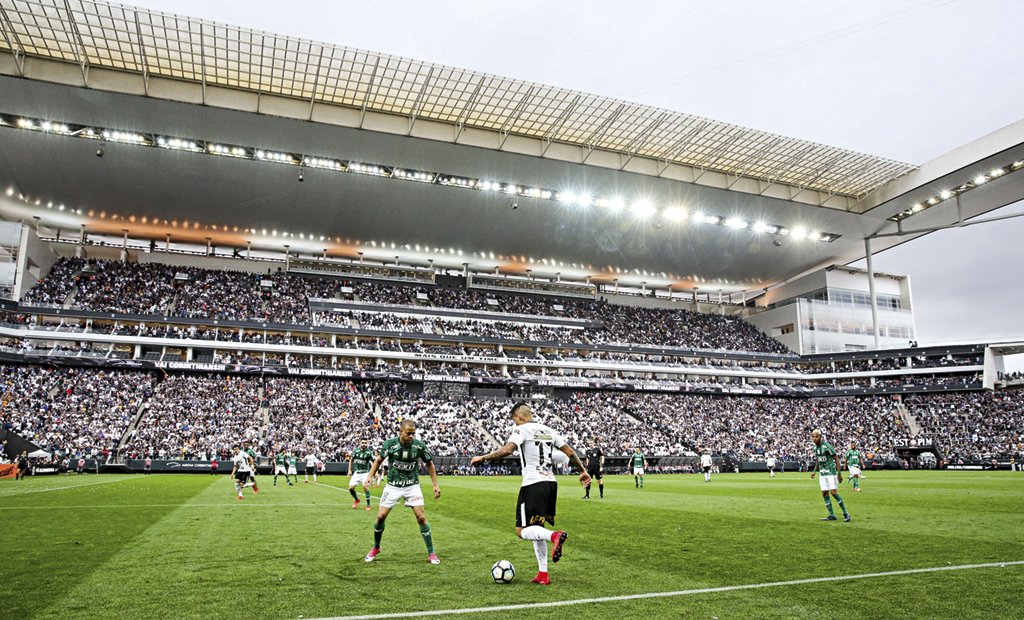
[[157, 289], [968, 426], [195, 416], [88, 411], [69, 410]]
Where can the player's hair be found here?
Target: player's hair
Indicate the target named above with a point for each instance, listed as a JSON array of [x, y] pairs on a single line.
[[516, 406], [406, 423]]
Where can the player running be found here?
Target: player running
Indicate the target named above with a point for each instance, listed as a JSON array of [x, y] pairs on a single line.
[[252, 459], [595, 468], [310, 466], [853, 463], [539, 491], [242, 469], [829, 474], [403, 454], [639, 465], [359, 471], [705, 464], [771, 465]]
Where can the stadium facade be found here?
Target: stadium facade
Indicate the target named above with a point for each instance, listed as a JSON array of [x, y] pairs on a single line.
[[201, 199]]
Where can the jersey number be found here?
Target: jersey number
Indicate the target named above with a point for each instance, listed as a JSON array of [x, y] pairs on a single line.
[[543, 450]]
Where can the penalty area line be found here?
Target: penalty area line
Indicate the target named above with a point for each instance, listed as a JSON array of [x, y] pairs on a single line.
[[631, 597]]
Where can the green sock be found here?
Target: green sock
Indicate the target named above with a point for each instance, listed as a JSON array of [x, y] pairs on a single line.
[[367, 497], [841, 504], [828, 504], [428, 540], [378, 532], [641, 481], [856, 483]]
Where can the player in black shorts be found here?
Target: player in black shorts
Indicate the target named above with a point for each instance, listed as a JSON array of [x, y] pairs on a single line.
[[594, 461]]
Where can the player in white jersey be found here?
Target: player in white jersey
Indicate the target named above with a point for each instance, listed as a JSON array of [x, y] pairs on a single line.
[[242, 470], [771, 465], [539, 491], [311, 466], [705, 464]]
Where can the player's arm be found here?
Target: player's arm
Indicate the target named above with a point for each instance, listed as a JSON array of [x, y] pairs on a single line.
[[373, 471], [574, 460], [839, 470], [600, 464], [433, 479], [506, 450], [814, 465], [350, 466]]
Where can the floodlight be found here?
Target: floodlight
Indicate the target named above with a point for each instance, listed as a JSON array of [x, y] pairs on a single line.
[[798, 233], [736, 223]]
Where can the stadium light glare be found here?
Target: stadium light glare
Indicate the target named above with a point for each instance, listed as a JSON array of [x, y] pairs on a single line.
[[978, 180], [584, 200], [712, 219], [798, 233], [643, 208], [945, 194], [997, 172], [675, 214], [10, 191], [736, 223], [760, 227], [697, 217]]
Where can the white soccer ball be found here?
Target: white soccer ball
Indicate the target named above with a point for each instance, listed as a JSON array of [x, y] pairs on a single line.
[[503, 571]]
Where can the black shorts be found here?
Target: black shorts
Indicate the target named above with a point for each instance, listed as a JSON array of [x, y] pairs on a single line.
[[596, 474], [310, 469], [536, 504], [707, 468], [242, 477]]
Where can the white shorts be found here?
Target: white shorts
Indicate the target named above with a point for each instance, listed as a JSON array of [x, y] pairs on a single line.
[[638, 471], [854, 471], [413, 496], [279, 469], [291, 471], [827, 483], [357, 480]]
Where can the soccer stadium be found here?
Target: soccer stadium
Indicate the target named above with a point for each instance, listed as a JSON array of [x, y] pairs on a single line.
[[259, 292]]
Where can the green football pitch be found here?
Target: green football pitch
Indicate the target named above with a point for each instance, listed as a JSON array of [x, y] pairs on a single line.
[[182, 546]]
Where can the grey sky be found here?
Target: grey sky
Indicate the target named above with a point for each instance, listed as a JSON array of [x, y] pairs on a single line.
[[909, 80]]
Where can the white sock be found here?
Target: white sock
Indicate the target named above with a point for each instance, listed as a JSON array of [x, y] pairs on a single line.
[[314, 477], [238, 489], [536, 533], [540, 549]]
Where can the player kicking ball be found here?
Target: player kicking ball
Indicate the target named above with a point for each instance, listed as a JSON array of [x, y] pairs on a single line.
[[539, 491], [829, 476], [403, 454]]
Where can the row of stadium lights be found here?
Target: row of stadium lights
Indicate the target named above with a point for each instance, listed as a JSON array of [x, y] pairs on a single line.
[[946, 194], [382, 245], [641, 208]]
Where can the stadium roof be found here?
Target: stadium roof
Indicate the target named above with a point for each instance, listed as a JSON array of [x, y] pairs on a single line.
[[206, 128], [150, 43]]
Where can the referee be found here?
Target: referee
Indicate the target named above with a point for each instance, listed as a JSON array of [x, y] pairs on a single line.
[[595, 467]]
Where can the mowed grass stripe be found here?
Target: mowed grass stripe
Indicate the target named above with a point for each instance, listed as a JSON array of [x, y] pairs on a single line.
[[13, 488], [47, 554], [292, 551]]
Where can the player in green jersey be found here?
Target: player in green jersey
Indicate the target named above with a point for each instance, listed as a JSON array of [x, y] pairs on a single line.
[[829, 475], [853, 464], [281, 467], [293, 468], [252, 475], [403, 454], [359, 463], [638, 464]]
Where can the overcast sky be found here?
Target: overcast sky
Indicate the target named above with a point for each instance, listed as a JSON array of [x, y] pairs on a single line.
[[906, 80]]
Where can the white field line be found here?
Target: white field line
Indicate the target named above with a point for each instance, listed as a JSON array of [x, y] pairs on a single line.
[[242, 505], [343, 489], [72, 486], [630, 597]]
